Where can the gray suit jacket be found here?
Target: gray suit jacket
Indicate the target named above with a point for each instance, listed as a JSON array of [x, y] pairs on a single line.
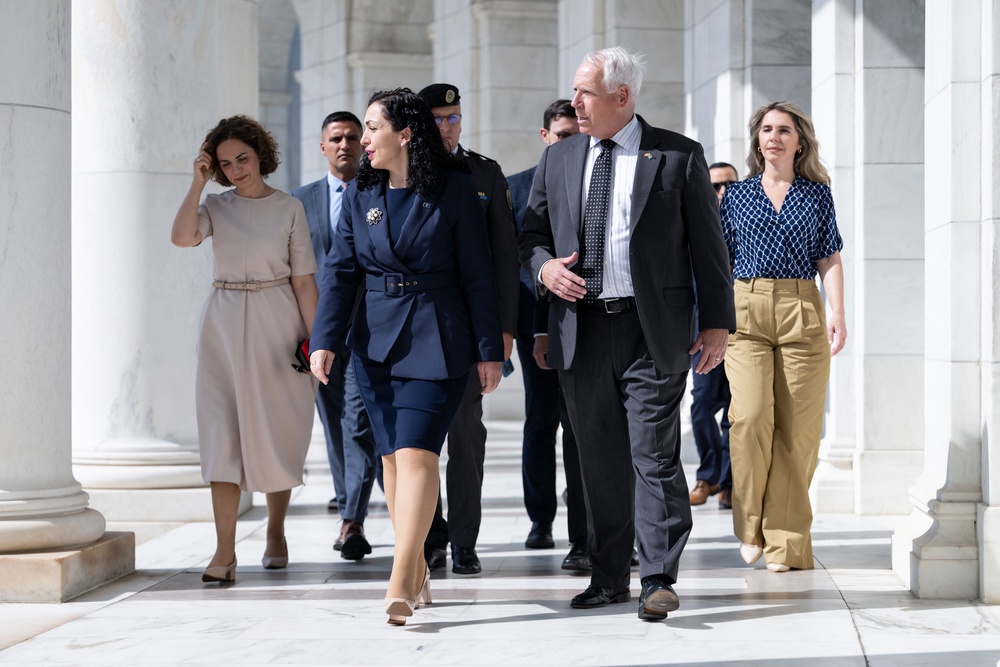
[[315, 198], [675, 247]]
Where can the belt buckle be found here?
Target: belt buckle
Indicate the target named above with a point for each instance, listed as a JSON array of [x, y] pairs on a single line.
[[611, 305], [394, 284], [253, 286]]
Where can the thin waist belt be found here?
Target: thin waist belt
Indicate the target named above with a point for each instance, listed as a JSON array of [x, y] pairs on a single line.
[[398, 284], [798, 285], [621, 304], [252, 286]]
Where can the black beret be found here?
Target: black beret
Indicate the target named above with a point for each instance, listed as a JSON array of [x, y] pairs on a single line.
[[439, 95]]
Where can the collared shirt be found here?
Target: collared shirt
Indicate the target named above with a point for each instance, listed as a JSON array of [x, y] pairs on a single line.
[[763, 243], [624, 155], [337, 188]]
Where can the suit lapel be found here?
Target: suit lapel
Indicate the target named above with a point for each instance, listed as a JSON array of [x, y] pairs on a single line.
[[321, 200], [415, 220], [645, 171], [374, 202], [575, 162]]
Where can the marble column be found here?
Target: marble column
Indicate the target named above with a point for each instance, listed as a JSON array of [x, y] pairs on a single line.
[[935, 549], [348, 48], [833, 100], [43, 508], [988, 516], [149, 80]]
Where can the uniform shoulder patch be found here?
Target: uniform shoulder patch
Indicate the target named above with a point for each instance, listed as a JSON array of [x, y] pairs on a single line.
[[483, 157]]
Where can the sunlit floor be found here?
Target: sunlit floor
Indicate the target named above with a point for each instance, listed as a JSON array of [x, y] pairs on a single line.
[[322, 610]]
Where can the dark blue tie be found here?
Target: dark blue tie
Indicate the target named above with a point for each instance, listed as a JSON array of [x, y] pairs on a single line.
[[595, 222]]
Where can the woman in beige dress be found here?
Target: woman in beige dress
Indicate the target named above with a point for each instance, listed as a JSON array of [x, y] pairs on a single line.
[[255, 413]]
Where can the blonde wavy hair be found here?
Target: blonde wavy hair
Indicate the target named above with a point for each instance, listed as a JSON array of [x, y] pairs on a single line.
[[807, 162]]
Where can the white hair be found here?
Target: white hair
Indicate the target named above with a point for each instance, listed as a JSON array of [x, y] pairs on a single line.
[[621, 67]]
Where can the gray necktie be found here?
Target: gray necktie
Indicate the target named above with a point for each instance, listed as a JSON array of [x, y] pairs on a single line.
[[595, 222]]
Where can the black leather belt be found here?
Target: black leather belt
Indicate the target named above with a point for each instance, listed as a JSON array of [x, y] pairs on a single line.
[[397, 284], [623, 304]]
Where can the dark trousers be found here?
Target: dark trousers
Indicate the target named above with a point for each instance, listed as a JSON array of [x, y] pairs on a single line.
[[463, 475], [350, 443], [709, 394], [544, 409], [626, 416]]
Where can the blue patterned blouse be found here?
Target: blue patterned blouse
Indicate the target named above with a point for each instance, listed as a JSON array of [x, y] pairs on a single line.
[[765, 244]]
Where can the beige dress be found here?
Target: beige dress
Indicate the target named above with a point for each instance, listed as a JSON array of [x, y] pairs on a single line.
[[255, 412]]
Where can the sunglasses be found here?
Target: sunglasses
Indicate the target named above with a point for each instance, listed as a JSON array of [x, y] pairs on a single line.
[[722, 184], [452, 119]]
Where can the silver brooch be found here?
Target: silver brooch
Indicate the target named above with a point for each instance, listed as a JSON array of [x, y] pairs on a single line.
[[374, 215]]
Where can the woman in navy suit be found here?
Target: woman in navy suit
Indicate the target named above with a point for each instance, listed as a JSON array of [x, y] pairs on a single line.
[[414, 233]]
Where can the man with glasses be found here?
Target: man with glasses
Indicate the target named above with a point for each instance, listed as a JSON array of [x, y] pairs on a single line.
[[709, 394], [467, 435]]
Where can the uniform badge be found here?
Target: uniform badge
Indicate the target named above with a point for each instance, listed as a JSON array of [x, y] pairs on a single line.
[[374, 215], [449, 96]]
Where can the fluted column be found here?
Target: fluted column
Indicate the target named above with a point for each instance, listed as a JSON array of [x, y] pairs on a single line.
[[149, 80], [935, 549]]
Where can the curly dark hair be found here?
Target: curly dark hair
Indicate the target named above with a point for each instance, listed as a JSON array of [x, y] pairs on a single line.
[[428, 157], [250, 132]]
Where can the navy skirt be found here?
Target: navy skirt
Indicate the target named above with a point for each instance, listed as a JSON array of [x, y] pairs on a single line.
[[406, 412]]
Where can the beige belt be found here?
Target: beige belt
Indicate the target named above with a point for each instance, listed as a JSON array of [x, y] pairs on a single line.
[[252, 286]]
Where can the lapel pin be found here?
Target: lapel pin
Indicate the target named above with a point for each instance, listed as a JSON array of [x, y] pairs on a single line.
[[427, 204], [374, 215], [648, 156]]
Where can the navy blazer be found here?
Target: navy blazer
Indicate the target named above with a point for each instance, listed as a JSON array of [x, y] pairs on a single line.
[[675, 246], [429, 334]]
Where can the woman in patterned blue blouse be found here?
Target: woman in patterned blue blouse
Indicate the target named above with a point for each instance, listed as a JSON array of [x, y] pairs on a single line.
[[781, 231]]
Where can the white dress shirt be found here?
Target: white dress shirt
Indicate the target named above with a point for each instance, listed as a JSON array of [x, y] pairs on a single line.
[[624, 156]]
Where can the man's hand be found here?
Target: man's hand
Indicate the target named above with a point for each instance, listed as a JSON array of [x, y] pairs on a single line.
[[489, 375], [539, 352], [712, 345], [561, 281]]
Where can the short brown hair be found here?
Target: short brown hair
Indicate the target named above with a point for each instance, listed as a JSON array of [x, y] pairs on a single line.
[[245, 129]]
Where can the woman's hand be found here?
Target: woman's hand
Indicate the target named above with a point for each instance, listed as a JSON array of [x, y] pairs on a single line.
[[202, 168], [320, 363], [489, 375], [836, 332]]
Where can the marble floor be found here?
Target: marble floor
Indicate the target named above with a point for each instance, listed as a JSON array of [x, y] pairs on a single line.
[[850, 610]]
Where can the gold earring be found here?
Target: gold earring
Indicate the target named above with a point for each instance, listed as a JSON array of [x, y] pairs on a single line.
[[759, 150], [800, 150]]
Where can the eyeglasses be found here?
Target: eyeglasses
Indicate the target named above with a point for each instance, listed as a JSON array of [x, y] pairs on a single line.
[[453, 119], [722, 184]]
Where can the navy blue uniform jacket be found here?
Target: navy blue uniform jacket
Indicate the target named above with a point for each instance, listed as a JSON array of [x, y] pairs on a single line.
[[429, 334]]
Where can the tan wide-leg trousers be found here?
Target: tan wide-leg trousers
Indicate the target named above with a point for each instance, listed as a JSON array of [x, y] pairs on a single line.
[[778, 364]]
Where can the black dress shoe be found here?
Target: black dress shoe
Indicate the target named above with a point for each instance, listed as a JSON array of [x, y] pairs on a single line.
[[576, 560], [540, 536], [635, 558], [657, 598], [436, 557], [354, 546], [599, 596], [332, 505], [465, 561]]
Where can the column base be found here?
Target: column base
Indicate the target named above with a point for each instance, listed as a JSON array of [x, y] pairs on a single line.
[[158, 504], [988, 525], [934, 550], [832, 488], [58, 576]]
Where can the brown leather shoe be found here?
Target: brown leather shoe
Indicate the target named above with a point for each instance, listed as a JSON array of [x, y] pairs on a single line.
[[726, 499], [701, 491], [355, 546], [339, 542]]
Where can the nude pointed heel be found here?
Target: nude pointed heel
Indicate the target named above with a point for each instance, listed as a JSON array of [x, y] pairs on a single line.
[[398, 610], [751, 553], [424, 595], [276, 562], [220, 573]]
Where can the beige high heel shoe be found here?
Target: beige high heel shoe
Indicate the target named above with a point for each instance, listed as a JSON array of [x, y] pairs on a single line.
[[424, 594], [750, 552], [276, 562], [220, 573], [398, 610]]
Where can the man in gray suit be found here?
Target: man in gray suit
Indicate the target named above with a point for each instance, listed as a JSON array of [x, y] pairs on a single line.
[[634, 204], [350, 444]]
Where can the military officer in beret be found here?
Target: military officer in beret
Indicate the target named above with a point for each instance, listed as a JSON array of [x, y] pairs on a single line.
[[467, 435]]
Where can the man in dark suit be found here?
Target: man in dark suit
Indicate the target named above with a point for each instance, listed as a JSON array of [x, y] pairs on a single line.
[[467, 435], [350, 444], [635, 206], [543, 405]]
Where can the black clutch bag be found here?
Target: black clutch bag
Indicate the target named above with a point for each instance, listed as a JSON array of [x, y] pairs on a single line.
[[302, 356]]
